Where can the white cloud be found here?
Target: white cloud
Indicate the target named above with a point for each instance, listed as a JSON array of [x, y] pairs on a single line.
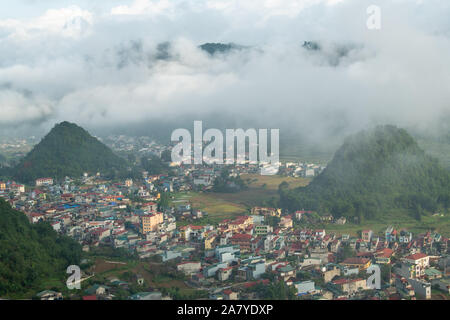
[[147, 7], [101, 69], [69, 22]]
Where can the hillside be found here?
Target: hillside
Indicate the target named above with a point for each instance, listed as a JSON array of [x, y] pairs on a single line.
[[67, 150], [30, 254], [374, 171]]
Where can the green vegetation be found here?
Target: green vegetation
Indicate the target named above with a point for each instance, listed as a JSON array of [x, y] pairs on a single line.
[[68, 150], [374, 172], [31, 254], [227, 183], [154, 165], [275, 291]]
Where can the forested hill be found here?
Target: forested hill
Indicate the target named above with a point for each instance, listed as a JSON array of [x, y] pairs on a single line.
[[67, 150], [372, 171], [30, 254]]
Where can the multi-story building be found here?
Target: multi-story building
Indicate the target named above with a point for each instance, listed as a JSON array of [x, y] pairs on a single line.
[[150, 222], [244, 241]]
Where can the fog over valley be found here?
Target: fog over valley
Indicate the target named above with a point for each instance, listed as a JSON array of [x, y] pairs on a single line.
[[311, 68]]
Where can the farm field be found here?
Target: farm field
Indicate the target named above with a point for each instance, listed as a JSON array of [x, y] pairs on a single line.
[[221, 206]]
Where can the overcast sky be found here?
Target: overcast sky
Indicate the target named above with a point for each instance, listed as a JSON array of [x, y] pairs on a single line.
[[95, 62]]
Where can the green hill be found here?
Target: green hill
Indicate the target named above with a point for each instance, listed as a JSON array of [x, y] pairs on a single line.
[[67, 150], [374, 171], [30, 254]]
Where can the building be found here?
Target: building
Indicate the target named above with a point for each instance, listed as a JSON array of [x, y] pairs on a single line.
[[421, 288], [286, 222], [305, 287], [360, 263], [329, 272], [128, 183], [351, 286], [390, 234], [419, 259], [150, 222], [146, 296], [366, 235], [262, 230], [244, 241], [189, 267], [383, 256], [44, 182], [224, 273]]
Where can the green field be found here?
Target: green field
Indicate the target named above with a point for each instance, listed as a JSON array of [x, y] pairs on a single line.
[[221, 206], [399, 220]]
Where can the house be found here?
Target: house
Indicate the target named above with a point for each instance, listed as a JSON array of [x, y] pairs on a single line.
[[341, 221], [150, 222], [421, 288], [286, 272], [405, 237], [44, 182], [350, 286], [262, 230], [98, 290], [360, 263], [49, 295], [305, 287], [286, 222], [189, 267], [432, 273], [383, 256], [442, 284], [146, 296], [242, 240], [419, 259], [366, 235], [390, 234], [230, 295], [329, 272], [224, 273]]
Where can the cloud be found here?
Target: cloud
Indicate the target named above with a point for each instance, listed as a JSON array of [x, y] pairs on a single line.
[[68, 22], [139, 61]]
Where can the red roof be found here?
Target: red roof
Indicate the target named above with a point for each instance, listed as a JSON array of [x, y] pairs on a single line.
[[240, 236], [93, 297], [384, 253], [416, 256], [356, 261]]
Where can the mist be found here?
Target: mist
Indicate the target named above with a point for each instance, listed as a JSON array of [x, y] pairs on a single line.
[[136, 67]]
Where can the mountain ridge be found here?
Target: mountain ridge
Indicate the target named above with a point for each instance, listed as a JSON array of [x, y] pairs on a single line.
[[67, 150]]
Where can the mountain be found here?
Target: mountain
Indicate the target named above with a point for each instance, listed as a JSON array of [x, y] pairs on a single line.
[[374, 171], [67, 150], [213, 48], [29, 254]]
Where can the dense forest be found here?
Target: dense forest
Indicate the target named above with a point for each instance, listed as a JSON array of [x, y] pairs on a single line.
[[375, 171], [29, 254], [67, 150]]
